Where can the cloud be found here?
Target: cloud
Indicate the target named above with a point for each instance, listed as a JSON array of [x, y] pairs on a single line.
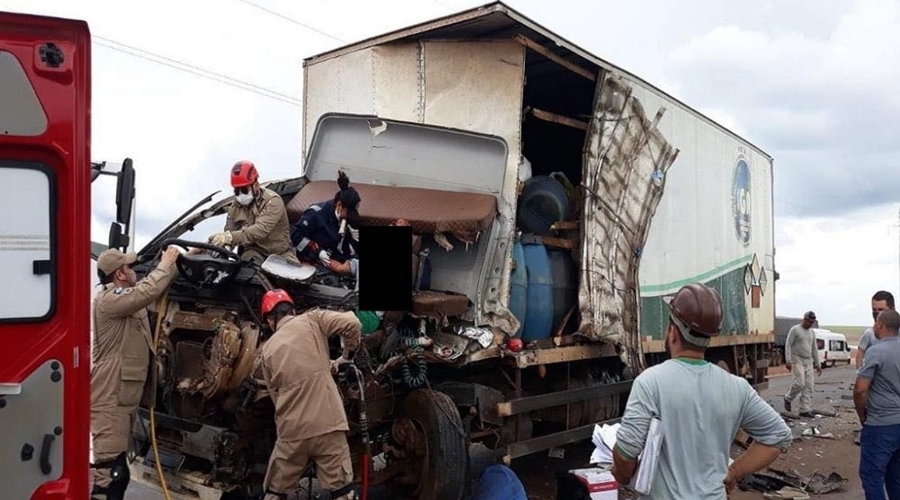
[[834, 266], [825, 108]]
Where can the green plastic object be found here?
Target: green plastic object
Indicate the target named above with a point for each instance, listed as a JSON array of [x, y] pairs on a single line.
[[369, 320]]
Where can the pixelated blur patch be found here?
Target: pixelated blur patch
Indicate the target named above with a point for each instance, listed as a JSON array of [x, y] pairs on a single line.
[[385, 268]]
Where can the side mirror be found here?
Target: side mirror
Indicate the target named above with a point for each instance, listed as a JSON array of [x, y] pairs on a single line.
[[118, 238], [125, 194]]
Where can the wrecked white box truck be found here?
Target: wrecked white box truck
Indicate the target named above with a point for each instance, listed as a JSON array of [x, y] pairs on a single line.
[[558, 199]]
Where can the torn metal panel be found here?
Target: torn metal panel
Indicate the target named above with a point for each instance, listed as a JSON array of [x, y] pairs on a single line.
[[625, 163]]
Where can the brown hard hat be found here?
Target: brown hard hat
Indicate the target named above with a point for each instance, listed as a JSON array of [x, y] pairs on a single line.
[[699, 308]]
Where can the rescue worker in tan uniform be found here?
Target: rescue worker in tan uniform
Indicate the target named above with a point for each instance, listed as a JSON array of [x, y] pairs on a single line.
[[309, 412], [258, 221], [121, 359]]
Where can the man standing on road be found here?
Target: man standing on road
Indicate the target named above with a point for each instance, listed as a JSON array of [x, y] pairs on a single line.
[[700, 407], [121, 352], [802, 356], [309, 412], [876, 396], [881, 301]]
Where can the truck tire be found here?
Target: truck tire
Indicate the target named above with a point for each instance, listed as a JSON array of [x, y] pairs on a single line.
[[446, 455]]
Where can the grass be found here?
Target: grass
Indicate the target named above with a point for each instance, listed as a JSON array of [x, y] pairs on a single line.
[[851, 332]]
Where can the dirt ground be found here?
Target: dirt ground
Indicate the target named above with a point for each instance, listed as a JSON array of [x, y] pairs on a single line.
[[807, 455]]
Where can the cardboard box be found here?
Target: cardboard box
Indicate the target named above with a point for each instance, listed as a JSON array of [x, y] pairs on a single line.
[[600, 483]]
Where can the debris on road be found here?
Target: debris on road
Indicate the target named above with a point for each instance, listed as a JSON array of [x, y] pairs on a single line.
[[788, 493], [815, 432], [776, 483], [820, 484]]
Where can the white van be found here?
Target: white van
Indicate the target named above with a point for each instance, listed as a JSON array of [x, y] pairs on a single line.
[[833, 347]]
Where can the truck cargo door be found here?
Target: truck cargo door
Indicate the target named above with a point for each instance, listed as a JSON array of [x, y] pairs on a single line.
[[624, 170], [44, 257]]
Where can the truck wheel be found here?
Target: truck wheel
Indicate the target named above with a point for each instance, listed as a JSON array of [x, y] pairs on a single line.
[[431, 434]]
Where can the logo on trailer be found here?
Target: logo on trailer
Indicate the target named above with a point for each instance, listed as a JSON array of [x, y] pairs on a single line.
[[740, 200]]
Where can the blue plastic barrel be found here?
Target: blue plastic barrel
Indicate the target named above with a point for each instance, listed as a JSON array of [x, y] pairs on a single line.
[[539, 307], [543, 202], [518, 300], [564, 274]]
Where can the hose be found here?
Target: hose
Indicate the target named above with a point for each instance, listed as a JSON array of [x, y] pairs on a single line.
[[364, 430], [160, 312]]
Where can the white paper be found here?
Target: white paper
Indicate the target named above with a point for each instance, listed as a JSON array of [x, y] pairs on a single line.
[[604, 439], [643, 478]]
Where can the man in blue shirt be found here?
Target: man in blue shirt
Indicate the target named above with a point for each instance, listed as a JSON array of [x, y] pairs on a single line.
[[876, 396]]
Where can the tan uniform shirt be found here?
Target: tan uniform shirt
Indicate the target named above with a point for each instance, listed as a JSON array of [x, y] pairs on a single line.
[[296, 368], [262, 226], [121, 357]]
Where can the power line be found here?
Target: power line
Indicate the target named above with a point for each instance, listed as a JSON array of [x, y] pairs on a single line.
[[291, 20], [197, 71]]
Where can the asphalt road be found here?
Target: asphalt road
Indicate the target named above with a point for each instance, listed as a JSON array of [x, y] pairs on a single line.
[[807, 456]]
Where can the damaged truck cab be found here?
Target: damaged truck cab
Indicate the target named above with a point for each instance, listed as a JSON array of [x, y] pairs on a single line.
[[556, 200]]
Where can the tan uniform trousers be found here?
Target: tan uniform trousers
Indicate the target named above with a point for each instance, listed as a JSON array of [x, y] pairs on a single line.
[[331, 453], [118, 429]]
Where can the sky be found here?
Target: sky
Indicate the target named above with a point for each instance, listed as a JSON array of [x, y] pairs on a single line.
[[812, 82]]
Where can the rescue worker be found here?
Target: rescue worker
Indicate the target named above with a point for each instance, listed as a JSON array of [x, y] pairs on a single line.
[[309, 412], [700, 407], [258, 222], [802, 355], [328, 232], [121, 358]]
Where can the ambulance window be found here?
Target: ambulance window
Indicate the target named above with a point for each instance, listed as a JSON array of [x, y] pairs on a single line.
[[820, 344], [22, 113], [26, 263]]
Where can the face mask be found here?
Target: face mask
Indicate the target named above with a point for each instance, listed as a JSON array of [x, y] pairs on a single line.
[[337, 214], [244, 198]]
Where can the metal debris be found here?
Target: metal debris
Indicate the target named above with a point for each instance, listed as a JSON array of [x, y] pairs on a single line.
[[819, 483], [483, 336], [788, 493]]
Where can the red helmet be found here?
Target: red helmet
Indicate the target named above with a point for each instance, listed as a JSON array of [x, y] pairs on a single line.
[[272, 298], [243, 173]]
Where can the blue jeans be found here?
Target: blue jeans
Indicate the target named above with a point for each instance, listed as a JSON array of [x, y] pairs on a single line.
[[879, 461]]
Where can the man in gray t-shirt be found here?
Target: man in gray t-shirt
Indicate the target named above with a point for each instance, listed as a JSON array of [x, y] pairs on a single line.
[[700, 407], [881, 301], [876, 396]]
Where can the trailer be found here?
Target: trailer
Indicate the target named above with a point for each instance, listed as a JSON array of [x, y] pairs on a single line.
[[556, 200]]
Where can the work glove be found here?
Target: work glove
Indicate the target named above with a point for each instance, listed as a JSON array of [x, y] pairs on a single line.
[[324, 258], [221, 239], [338, 362]]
